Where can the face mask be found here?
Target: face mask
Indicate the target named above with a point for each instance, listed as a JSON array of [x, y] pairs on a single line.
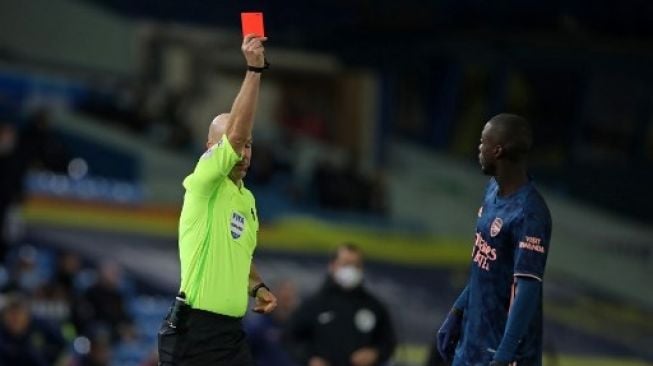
[[348, 277]]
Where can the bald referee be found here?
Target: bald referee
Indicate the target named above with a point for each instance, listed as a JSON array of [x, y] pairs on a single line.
[[217, 237]]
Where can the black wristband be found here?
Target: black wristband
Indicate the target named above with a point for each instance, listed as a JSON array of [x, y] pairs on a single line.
[[266, 65], [255, 289]]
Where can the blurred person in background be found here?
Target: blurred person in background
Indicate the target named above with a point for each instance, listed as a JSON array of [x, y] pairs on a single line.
[[265, 333], [342, 324], [56, 301], [25, 274], [98, 352], [365, 193], [497, 319], [24, 339], [103, 305], [218, 229], [10, 182], [68, 266], [39, 146], [34, 144]]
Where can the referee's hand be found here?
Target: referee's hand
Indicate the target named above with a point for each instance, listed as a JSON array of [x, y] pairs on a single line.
[[253, 50], [265, 301]]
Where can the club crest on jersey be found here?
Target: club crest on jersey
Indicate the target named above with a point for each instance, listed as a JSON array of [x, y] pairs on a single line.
[[237, 225], [495, 228]]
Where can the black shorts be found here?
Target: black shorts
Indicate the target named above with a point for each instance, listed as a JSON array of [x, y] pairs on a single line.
[[209, 339]]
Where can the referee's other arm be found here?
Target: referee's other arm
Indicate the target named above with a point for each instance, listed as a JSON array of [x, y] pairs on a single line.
[[265, 301]]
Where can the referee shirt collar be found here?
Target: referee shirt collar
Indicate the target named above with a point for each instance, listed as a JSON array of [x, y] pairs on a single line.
[[238, 185]]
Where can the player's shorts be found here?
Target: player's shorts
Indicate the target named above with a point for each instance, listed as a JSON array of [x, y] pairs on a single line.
[[209, 339]]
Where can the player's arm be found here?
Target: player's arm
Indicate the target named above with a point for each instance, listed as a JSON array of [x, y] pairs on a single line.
[[266, 302], [241, 117], [461, 302], [449, 333], [527, 298], [531, 250]]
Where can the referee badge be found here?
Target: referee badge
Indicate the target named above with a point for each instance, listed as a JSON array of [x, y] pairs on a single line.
[[237, 225]]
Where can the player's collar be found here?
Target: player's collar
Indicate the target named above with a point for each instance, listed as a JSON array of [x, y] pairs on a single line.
[[498, 198]]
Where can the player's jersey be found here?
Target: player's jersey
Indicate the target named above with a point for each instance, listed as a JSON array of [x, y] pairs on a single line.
[[512, 239], [217, 235]]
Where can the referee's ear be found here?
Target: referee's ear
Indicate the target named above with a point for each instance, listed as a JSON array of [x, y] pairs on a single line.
[[210, 143]]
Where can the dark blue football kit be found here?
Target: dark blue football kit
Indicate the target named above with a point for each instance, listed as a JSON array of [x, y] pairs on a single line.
[[511, 241]]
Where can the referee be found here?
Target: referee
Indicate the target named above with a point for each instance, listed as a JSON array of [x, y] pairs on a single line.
[[217, 237]]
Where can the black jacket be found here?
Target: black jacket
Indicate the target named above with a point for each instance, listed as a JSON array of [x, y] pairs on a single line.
[[334, 323]]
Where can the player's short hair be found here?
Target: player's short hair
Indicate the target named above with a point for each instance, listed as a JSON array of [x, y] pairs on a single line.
[[514, 133], [349, 246]]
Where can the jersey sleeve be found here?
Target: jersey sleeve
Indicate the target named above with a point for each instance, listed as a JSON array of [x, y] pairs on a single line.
[[532, 244], [212, 167]]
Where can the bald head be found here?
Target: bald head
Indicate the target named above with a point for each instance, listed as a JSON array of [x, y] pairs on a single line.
[[513, 133], [217, 128]]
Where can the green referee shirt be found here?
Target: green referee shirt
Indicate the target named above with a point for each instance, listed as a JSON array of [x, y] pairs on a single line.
[[217, 235]]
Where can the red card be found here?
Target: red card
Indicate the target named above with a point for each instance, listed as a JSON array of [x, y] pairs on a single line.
[[252, 24]]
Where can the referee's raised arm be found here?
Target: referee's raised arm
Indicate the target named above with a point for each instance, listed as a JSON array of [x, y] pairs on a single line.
[[241, 119], [229, 139]]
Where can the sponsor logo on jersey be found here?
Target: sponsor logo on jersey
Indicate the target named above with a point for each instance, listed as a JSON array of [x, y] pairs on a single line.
[[483, 253], [237, 225], [495, 228], [532, 243]]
